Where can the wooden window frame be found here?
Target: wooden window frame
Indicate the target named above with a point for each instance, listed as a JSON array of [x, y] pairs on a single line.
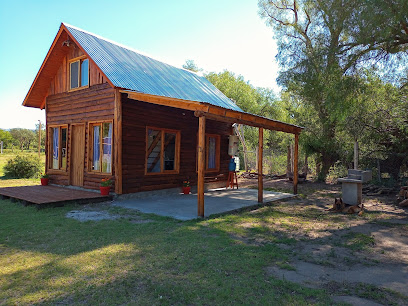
[[91, 124], [176, 153], [50, 148], [79, 59], [217, 153]]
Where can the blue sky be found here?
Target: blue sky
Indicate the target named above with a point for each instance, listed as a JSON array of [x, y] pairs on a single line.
[[216, 34]]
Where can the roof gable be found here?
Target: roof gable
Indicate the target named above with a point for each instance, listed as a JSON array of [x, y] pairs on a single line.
[[125, 68]]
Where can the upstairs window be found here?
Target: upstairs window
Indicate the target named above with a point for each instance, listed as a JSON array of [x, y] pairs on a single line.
[[78, 73]]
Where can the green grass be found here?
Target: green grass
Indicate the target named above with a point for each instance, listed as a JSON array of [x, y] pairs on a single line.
[[47, 258], [358, 241], [5, 182]]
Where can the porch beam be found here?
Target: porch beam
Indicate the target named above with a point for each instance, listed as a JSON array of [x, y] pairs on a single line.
[[248, 119], [201, 161], [260, 170], [295, 164]]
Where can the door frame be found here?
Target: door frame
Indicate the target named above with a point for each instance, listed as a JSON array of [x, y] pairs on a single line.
[[70, 152]]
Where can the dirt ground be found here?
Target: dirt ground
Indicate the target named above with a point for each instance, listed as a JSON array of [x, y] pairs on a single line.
[[360, 260]]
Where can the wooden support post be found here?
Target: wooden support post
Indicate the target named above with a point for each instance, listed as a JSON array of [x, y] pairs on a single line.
[[39, 138], [201, 161], [295, 164], [260, 172], [117, 138]]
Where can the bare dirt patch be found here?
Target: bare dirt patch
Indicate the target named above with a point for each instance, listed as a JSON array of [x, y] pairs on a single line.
[[345, 251]]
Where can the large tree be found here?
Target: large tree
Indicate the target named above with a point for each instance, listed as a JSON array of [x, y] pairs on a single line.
[[320, 58], [23, 137]]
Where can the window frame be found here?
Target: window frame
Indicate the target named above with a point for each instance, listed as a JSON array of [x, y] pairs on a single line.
[[91, 124], [176, 153], [51, 150], [79, 59], [217, 153]]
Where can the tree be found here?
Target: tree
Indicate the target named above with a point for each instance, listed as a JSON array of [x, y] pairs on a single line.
[[191, 65], [319, 65], [23, 137], [6, 138]]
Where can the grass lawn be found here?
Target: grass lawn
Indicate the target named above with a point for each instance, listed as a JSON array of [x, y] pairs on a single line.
[[5, 182], [47, 258]]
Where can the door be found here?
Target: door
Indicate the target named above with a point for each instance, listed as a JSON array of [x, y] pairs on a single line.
[[77, 155]]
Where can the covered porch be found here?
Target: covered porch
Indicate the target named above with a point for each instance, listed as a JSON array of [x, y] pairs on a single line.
[[205, 111]]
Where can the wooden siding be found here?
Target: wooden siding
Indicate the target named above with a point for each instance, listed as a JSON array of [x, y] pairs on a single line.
[[60, 82], [93, 104], [137, 116]]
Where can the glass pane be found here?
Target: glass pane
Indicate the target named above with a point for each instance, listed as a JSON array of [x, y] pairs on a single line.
[[63, 148], [169, 151], [212, 143], [74, 74], [84, 72], [96, 148], [55, 148], [153, 151], [107, 147]]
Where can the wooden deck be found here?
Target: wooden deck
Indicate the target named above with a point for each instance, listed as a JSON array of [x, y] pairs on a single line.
[[50, 195]]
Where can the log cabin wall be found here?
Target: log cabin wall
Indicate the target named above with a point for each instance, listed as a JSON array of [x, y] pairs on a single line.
[[93, 104], [137, 116]]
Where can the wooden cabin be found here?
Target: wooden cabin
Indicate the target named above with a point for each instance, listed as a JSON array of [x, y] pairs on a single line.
[[114, 112]]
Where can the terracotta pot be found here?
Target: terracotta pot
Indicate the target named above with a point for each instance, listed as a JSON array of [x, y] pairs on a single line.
[[186, 190], [104, 190], [44, 181]]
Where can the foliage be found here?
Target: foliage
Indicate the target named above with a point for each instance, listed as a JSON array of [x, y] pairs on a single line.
[[191, 65], [23, 166], [23, 137], [6, 138], [45, 176], [106, 182], [321, 65], [186, 183]]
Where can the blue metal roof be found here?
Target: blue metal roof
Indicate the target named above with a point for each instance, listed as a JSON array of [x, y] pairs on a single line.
[[131, 70]]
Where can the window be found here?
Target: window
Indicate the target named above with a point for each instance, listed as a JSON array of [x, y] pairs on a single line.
[[79, 73], [58, 148], [101, 147], [162, 151], [212, 153]]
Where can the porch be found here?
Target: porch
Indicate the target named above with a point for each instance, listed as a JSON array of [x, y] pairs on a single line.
[[42, 196], [184, 207]]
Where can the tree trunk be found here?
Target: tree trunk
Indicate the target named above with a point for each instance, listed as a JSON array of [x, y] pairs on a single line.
[[356, 152]]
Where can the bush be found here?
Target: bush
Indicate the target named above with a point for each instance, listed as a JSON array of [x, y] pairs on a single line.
[[25, 166]]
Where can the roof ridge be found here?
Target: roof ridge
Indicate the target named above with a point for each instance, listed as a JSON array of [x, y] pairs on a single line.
[[127, 47]]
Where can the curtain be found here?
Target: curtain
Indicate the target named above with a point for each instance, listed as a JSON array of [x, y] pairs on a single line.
[[211, 152], [107, 149], [55, 150], [96, 147]]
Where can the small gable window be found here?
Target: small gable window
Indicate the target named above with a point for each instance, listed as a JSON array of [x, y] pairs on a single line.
[[78, 73]]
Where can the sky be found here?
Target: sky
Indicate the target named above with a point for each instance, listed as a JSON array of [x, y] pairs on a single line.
[[216, 34]]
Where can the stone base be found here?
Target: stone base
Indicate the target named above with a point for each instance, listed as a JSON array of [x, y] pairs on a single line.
[[352, 191]]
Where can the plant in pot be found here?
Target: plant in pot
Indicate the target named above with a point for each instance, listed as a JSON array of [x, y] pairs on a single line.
[[45, 178], [186, 187], [106, 184]]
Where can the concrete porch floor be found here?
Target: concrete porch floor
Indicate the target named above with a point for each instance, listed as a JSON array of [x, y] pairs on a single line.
[[184, 207]]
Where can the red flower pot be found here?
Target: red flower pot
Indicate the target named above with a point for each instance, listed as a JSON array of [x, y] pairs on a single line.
[[186, 190], [44, 181], [104, 190]]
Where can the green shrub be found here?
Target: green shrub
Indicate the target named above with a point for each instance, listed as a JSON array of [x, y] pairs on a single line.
[[25, 166]]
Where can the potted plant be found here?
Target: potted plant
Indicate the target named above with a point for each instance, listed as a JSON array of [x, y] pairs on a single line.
[[106, 184], [44, 179], [186, 187]]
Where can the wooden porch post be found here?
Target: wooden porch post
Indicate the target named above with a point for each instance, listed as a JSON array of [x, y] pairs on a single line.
[[260, 172], [295, 164], [117, 138], [201, 161]]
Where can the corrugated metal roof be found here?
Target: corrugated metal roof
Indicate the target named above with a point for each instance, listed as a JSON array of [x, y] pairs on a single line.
[[132, 70]]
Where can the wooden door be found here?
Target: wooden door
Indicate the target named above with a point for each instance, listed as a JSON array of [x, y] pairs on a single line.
[[77, 154]]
